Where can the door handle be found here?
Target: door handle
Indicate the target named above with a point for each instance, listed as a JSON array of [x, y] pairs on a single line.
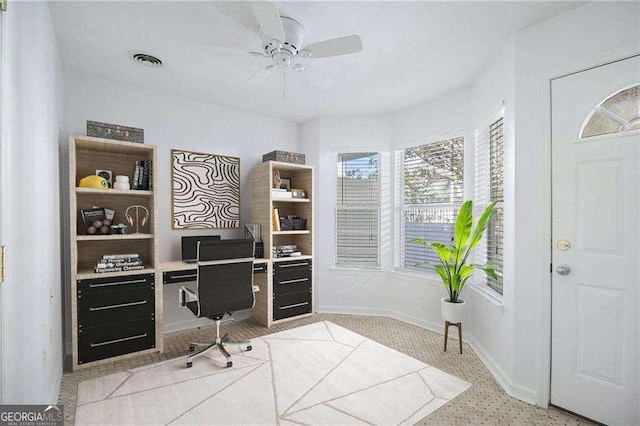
[[563, 269]]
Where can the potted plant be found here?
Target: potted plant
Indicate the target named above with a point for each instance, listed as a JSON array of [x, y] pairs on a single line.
[[453, 267]]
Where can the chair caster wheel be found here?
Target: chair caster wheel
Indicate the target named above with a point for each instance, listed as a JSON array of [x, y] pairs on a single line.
[[189, 364], [249, 348], [192, 348], [229, 364]]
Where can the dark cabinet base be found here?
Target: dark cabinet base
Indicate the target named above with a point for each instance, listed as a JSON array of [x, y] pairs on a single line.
[[107, 341]]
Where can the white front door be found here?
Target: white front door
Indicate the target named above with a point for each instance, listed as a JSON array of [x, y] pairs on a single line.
[[595, 236]]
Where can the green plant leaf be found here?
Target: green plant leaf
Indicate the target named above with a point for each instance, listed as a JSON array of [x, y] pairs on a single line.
[[482, 224], [443, 252], [464, 223], [489, 268], [420, 241], [466, 271]]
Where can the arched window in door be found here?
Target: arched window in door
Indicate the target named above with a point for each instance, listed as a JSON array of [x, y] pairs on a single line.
[[620, 112]]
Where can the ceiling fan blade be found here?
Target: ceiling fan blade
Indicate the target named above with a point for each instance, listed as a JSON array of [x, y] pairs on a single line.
[[269, 20], [228, 50], [335, 46], [261, 74], [317, 78]]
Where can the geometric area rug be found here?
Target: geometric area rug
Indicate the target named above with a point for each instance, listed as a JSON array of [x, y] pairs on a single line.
[[315, 374]]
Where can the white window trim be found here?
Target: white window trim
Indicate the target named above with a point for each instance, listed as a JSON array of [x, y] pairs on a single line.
[[347, 269], [480, 284]]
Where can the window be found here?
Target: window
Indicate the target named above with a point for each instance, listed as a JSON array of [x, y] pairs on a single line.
[[490, 187], [618, 113], [432, 192], [358, 210]]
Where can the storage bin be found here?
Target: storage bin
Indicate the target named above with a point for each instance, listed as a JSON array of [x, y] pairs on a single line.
[[284, 156]]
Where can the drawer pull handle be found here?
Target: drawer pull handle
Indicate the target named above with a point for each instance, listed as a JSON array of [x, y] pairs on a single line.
[[282, 308], [292, 265], [117, 283], [300, 280], [124, 339], [122, 305], [184, 276]]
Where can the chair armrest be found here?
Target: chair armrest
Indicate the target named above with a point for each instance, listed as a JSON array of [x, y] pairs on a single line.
[[185, 295], [256, 288]]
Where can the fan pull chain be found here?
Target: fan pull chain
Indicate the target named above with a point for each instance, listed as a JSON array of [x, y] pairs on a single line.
[[284, 82]]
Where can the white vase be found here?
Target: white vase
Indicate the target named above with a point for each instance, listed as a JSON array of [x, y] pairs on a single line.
[[453, 312]]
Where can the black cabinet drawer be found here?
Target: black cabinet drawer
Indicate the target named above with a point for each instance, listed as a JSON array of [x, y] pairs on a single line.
[[292, 265], [259, 268], [183, 276], [291, 305], [125, 304], [293, 281], [113, 283], [111, 340]]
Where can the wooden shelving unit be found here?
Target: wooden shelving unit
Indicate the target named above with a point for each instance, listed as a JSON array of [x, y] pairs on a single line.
[[273, 298], [114, 314]]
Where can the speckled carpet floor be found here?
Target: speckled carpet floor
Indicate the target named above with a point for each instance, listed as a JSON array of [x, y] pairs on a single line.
[[483, 403]]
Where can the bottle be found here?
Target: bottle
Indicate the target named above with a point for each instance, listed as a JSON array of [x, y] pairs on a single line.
[[122, 182]]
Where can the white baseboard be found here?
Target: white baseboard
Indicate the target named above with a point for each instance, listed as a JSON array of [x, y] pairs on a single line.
[[54, 391], [515, 390], [352, 310]]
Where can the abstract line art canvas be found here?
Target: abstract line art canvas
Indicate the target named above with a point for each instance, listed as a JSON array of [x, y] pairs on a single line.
[[206, 190]]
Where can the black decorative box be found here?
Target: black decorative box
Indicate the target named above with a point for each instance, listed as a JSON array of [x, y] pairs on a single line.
[[284, 156], [114, 131], [294, 224]]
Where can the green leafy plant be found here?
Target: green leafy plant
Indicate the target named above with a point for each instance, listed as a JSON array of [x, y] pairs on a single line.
[[453, 267]]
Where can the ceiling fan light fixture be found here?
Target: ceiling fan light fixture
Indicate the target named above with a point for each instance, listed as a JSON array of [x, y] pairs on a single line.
[[305, 53], [298, 67]]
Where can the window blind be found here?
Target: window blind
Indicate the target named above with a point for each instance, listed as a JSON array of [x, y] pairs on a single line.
[[489, 186], [432, 182], [357, 209]]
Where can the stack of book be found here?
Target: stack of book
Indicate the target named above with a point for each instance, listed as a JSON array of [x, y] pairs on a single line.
[[119, 263], [142, 176]]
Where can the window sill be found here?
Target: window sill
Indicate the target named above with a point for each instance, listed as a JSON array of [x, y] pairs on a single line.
[[490, 298], [430, 279], [354, 270]]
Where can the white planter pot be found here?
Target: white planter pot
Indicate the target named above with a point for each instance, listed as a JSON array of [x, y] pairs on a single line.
[[453, 312]]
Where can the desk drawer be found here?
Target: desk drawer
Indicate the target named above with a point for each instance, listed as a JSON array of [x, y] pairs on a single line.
[[259, 268], [291, 305], [111, 340], [106, 307], [293, 281], [182, 276], [114, 283], [292, 265]]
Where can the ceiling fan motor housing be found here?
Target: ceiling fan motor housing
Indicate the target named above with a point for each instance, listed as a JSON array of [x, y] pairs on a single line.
[[293, 34]]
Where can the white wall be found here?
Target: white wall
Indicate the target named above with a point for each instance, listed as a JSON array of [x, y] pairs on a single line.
[[174, 122], [566, 43], [32, 353]]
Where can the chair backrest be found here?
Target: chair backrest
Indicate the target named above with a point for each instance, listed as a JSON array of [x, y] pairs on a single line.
[[225, 277]]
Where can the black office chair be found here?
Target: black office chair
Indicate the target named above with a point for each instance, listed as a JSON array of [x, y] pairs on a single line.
[[224, 285]]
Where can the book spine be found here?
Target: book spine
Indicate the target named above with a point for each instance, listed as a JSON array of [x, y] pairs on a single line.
[[141, 174], [136, 176], [145, 175], [118, 269], [150, 175], [121, 256]]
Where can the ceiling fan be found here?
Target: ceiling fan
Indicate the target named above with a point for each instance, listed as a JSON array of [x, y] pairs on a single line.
[[282, 41]]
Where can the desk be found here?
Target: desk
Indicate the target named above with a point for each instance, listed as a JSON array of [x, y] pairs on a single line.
[[285, 294]]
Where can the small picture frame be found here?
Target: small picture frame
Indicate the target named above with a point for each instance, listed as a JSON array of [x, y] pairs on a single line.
[[285, 183], [106, 174]]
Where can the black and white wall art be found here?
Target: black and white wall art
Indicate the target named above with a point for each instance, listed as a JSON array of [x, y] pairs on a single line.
[[206, 190]]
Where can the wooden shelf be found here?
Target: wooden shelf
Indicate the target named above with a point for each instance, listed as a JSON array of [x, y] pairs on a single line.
[[118, 192], [284, 259], [89, 274], [114, 237], [290, 200], [298, 232]]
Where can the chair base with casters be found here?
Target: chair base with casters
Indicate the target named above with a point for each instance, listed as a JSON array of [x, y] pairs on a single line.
[[218, 344]]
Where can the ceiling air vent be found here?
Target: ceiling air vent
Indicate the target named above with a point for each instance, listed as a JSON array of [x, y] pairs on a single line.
[[146, 59]]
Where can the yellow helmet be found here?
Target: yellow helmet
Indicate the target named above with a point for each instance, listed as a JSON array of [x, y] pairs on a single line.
[[94, 181]]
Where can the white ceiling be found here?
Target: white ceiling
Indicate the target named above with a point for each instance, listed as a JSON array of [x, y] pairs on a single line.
[[413, 51]]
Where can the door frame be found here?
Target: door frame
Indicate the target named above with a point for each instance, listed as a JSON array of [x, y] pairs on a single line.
[[544, 88]]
